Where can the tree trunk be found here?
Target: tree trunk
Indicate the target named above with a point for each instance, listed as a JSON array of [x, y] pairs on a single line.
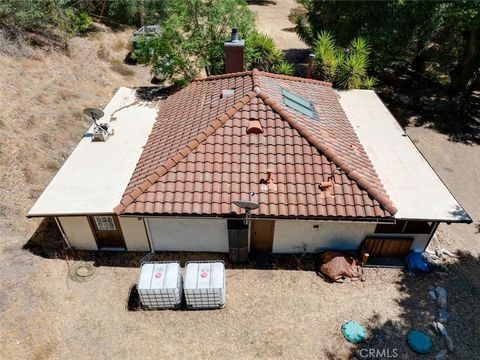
[[141, 10], [418, 63], [468, 63]]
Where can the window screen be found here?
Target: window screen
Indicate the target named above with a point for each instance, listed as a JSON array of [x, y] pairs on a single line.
[[299, 104], [104, 223]]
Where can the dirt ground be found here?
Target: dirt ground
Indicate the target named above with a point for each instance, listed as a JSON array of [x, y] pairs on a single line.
[[272, 19], [274, 310]]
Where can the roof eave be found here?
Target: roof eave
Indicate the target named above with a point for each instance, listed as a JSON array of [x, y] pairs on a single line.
[[387, 219]]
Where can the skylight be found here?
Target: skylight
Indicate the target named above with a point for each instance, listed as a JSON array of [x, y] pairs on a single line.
[[299, 104]]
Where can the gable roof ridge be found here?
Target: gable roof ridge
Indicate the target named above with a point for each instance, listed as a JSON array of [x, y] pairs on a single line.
[[256, 72], [218, 122], [327, 151], [224, 76]]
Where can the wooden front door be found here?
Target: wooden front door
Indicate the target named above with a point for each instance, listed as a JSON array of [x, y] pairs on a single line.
[[108, 233], [261, 235]]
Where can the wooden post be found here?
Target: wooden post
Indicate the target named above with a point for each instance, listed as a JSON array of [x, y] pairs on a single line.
[[310, 66], [141, 10]]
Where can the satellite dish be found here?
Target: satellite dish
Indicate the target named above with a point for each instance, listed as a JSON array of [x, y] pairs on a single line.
[[247, 205], [101, 131], [94, 113]]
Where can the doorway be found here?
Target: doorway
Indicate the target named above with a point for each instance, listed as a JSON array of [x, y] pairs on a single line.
[[108, 233], [261, 236]]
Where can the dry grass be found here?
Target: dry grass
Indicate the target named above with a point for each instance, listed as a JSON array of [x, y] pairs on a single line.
[[67, 94], [52, 166], [122, 69], [120, 45], [103, 53], [42, 98]]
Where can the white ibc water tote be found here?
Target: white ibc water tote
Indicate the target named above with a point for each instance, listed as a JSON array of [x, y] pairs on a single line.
[[160, 285], [204, 285]]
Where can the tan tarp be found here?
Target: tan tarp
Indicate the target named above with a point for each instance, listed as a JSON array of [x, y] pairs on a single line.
[[337, 266]]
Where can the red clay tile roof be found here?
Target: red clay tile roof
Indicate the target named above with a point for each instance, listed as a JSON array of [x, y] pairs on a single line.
[[199, 157]]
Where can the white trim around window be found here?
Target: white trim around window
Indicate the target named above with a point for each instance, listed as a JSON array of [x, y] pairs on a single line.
[[105, 223]]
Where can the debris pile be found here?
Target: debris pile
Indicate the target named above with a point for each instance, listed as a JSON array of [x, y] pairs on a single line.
[[339, 267], [438, 259]]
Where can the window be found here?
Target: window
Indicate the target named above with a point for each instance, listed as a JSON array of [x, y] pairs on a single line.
[[396, 228], [405, 227], [418, 227], [105, 223], [299, 104]]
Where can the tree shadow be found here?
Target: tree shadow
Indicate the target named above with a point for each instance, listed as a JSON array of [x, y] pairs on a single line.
[[261, 2], [458, 212], [299, 59], [387, 339], [155, 93], [47, 242], [436, 109]]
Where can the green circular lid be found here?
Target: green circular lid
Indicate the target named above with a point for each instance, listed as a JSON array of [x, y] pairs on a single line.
[[353, 332], [419, 341]]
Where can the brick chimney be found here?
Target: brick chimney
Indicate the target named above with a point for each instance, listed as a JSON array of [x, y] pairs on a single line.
[[234, 53]]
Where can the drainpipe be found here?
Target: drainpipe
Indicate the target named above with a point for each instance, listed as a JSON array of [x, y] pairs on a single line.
[[62, 232], [149, 236]]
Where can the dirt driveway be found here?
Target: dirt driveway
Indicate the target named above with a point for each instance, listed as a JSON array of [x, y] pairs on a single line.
[[272, 19]]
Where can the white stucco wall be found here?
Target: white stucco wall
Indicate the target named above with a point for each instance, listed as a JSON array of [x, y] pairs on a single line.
[[420, 241], [291, 235], [78, 232], [171, 234], [134, 234]]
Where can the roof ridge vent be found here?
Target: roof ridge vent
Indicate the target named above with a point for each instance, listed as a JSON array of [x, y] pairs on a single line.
[[254, 127], [326, 188], [268, 184]]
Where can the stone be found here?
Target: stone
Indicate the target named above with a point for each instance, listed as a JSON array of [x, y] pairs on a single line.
[[449, 343], [441, 355], [441, 297], [443, 315], [439, 327]]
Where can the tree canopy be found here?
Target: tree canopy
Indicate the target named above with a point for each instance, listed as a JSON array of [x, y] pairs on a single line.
[[403, 33], [192, 36]]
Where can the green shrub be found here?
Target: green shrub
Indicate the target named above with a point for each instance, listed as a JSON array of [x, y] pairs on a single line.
[[345, 68], [261, 52], [327, 57], [369, 83], [81, 21], [45, 17], [284, 68]]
